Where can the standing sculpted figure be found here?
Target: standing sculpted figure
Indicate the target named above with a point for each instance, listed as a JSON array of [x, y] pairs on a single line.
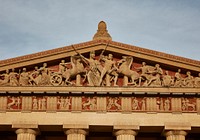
[[167, 104], [5, 78], [178, 79], [64, 103], [109, 68], [24, 78], [93, 74], [13, 78], [35, 104], [67, 103], [45, 75], [189, 80], [135, 104], [167, 80]]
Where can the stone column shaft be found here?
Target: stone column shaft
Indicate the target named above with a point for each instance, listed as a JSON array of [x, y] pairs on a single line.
[[175, 135], [125, 134], [76, 134], [26, 134]]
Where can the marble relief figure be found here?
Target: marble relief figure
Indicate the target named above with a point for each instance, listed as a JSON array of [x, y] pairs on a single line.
[[125, 68], [24, 78], [94, 69], [4, 81], [13, 78], [197, 81], [109, 69], [103, 70]]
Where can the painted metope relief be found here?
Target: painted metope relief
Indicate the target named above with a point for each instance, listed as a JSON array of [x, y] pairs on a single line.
[[95, 104]]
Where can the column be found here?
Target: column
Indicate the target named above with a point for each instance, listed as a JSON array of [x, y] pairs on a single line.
[[76, 131], [76, 134], [176, 130], [26, 134], [126, 130], [26, 130], [125, 134], [175, 135]]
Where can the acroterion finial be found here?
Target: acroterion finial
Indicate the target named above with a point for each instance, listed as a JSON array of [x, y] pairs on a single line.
[[102, 32]]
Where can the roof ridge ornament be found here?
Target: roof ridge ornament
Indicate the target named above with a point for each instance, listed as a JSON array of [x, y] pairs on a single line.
[[102, 32]]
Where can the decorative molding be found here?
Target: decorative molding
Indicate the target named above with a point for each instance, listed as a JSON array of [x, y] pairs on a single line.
[[125, 132], [94, 43], [174, 133], [4, 90]]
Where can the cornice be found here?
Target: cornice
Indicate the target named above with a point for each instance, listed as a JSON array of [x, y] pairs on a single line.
[[155, 53], [47, 53], [100, 90], [88, 44]]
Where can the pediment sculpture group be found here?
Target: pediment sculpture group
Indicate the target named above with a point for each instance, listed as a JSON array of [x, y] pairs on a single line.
[[105, 71]]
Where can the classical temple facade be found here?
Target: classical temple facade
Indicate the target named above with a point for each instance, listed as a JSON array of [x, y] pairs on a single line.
[[100, 90]]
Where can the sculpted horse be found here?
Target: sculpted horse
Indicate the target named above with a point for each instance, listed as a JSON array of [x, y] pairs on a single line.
[[125, 69], [77, 68]]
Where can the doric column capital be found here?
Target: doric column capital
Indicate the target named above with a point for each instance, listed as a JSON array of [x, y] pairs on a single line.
[[176, 129], [26, 130], [175, 132], [125, 132], [76, 131]]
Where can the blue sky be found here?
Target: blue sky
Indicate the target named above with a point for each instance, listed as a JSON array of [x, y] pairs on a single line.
[[30, 26]]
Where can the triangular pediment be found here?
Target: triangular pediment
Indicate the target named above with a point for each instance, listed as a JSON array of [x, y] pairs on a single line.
[[120, 52]]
